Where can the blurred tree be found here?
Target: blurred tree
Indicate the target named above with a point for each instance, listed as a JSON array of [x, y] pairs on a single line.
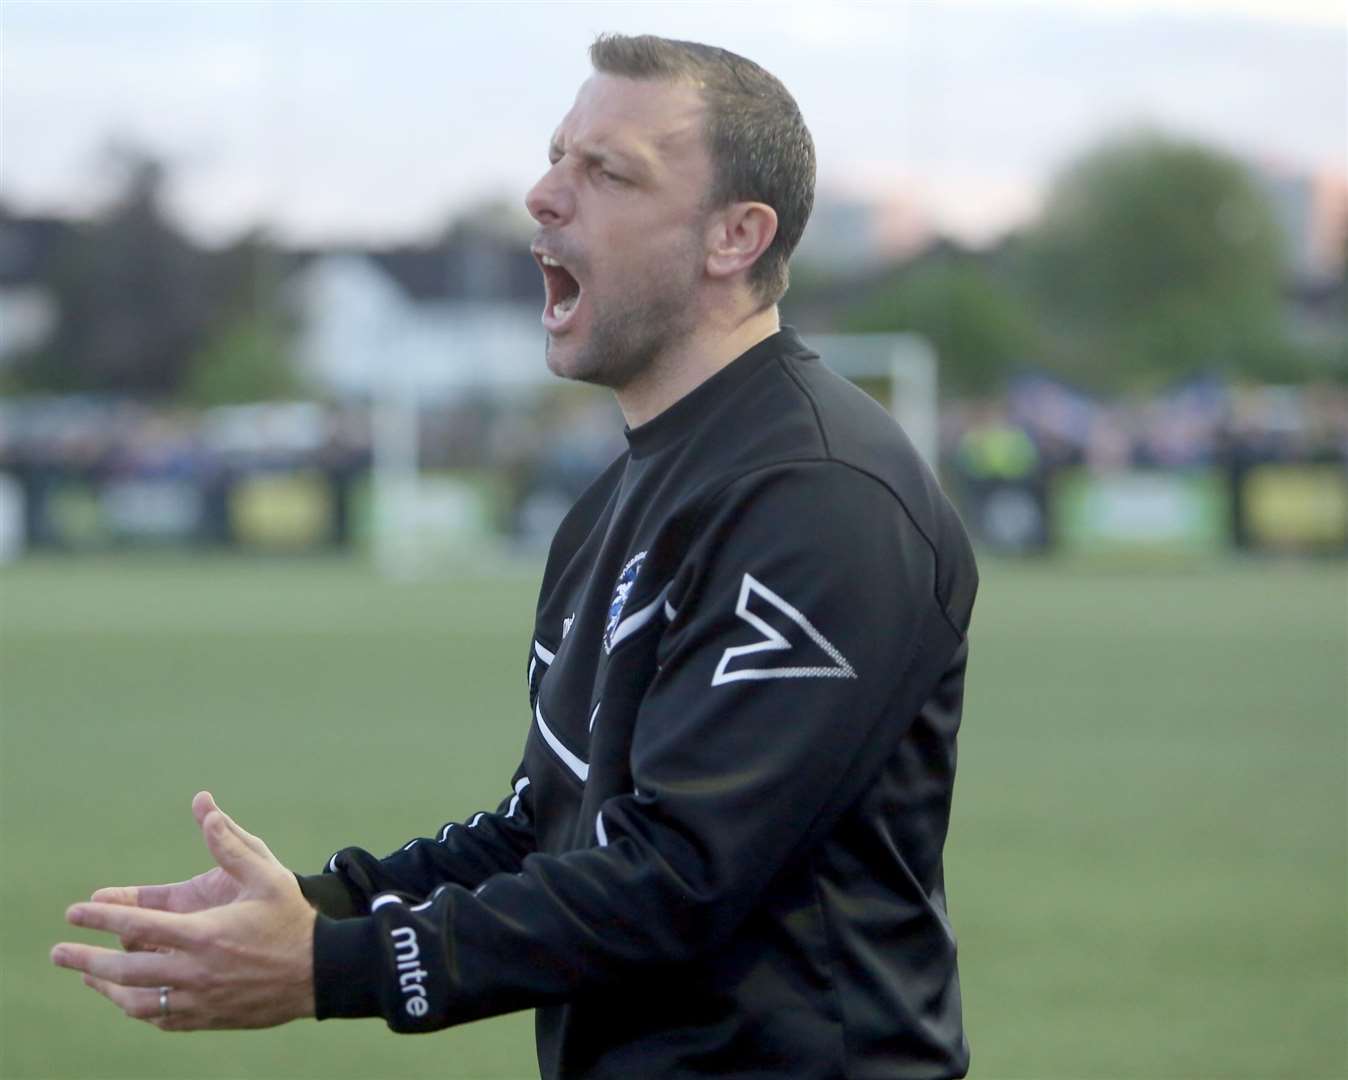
[[811, 289], [981, 331], [143, 311], [246, 354], [247, 360], [1156, 258], [132, 294]]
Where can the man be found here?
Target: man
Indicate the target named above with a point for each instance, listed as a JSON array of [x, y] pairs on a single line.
[[722, 852]]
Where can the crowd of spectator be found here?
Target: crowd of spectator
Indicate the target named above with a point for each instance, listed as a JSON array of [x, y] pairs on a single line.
[[1203, 423], [545, 454]]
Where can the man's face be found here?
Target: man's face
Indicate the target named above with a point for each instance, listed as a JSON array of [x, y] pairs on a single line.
[[621, 209]]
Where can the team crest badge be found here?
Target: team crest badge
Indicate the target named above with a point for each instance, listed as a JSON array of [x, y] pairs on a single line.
[[626, 580]]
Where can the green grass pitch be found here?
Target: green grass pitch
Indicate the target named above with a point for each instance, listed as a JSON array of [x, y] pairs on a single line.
[[1146, 865]]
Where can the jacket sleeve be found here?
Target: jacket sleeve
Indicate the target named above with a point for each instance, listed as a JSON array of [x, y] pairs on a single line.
[[464, 854], [800, 635]]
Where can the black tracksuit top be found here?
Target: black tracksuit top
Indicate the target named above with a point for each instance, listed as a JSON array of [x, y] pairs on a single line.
[[722, 853]]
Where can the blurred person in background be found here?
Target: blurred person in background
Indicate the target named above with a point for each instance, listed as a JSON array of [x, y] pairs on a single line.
[[721, 853]]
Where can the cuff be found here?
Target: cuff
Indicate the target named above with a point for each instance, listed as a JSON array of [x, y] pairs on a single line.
[[346, 968], [331, 895]]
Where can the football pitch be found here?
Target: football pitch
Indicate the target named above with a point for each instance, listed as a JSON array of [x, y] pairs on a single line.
[[1147, 863]]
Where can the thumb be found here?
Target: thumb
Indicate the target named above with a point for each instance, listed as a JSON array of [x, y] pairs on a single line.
[[203, 802], [232, 853]]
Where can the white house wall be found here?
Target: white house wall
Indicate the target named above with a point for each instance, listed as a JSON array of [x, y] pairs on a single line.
[[358, 329]]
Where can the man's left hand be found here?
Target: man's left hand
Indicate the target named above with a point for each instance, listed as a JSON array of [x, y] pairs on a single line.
[[247, 964]]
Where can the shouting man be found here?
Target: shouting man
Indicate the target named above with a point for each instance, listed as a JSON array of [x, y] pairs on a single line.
[[722, 852]]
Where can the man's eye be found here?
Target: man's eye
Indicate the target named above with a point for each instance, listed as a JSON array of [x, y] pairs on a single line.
[[612, 176]]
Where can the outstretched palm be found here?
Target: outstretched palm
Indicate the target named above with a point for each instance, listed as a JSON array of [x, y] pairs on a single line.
[[233, 946], [207, 890], [213, 888]]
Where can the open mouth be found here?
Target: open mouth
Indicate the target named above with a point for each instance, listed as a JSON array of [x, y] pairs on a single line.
[[563, 293]]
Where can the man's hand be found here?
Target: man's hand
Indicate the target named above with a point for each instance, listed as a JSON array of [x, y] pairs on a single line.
[[234, 946], [212, 889]]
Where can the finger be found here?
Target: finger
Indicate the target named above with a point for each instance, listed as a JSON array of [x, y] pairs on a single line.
[[125, 969], [254, 842], [144, 1004], [137, 1002], [117, 894], [158, 897], [144, 925], [203, 802], [234, 855]]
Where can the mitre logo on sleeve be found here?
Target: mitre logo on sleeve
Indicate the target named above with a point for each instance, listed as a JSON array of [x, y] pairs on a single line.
[[621, 591], [788, 645]]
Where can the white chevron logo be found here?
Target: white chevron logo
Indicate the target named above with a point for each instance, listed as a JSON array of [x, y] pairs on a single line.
[[775, 641]]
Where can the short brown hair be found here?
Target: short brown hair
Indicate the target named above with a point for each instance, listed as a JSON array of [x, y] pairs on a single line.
[[760, 148]]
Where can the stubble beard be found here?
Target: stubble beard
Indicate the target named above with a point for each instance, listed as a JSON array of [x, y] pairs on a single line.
[[629, 338]]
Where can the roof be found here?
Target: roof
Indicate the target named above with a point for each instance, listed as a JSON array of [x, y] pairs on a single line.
[[27, 246], [463, 266]]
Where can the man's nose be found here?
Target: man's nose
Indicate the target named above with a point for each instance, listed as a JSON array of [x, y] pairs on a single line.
[[550, 201]]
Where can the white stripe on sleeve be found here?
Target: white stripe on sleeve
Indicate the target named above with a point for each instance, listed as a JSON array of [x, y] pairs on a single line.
[[520, 785], [580, 768]]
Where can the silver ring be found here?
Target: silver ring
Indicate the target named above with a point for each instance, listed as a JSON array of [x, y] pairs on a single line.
[[163, 1001]]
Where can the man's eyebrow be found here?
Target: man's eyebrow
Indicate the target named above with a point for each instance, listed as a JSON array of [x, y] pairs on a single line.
[[600, 155]]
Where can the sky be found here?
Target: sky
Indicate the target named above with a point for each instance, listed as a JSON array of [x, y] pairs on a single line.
[[376, 122]]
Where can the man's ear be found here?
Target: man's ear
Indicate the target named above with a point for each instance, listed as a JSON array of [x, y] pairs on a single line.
[[737, 236]]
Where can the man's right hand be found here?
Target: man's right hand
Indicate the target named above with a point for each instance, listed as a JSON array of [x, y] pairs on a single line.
[[214, 888]]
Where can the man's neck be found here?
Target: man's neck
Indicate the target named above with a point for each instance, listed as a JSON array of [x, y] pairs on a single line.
[[691, 363]]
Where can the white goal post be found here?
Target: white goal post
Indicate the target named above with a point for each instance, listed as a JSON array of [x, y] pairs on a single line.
[[908, 362]]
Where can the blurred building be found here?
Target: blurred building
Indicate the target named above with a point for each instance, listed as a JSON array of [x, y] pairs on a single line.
[[456, 316], [849, 234], [1311, 210], [28, 313]]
